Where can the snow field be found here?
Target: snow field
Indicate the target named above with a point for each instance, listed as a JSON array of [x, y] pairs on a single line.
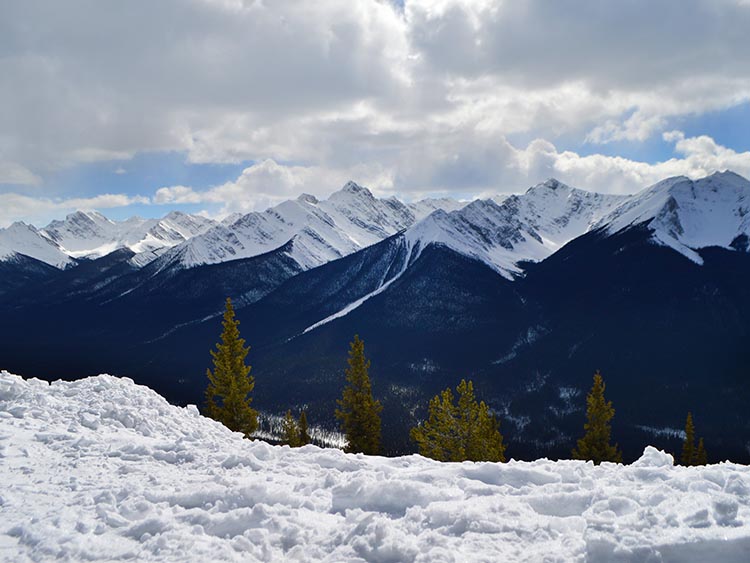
[[102, 469]]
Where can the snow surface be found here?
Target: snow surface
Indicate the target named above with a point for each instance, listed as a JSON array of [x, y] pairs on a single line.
[[102, 469]]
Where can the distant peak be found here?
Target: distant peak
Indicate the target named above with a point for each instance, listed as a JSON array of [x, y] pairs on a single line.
[[353, 189], [728, 176], [308, 198], [18, 225], [86, 216], [549, 184]]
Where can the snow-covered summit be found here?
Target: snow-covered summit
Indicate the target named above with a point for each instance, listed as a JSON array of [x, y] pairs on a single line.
[[687, 214], [27, 240], [503, 231], [102, 469], [321, 230], [517, 228], [91, 235]]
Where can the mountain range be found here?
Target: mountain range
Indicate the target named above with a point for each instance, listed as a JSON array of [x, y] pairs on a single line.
[[527, 294]]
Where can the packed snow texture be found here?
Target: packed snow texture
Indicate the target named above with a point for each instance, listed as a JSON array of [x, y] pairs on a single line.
[[102, 469]]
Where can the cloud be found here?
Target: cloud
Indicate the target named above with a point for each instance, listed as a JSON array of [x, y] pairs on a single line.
[[332, 84], [485, 167], [176, 195], [13, 173], [39, 210], [447, 166], [267, 183]]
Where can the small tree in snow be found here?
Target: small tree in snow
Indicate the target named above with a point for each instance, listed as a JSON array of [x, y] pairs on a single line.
[[595, 444], [304, 433], [692, 455], [291, 430], [462, 431]]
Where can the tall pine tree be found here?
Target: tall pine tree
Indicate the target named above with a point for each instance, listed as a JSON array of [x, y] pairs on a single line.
[[595, 444], [358, 411], [462, 431], [230, 383]]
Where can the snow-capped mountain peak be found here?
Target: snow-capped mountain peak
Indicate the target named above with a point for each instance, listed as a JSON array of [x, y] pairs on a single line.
[[24, 239], [519, 227], [687, 214], [322, 230], [88, 234]]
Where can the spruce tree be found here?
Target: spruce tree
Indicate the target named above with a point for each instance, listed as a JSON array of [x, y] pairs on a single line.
[[358, 411], [688, 446], [701, 458], [290, 430], [595, 444], [462, 431], [304, 433], [692, 455], [439, 436], [230, 382]]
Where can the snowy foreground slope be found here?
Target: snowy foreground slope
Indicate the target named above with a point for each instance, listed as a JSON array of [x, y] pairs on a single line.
[[102, 469]]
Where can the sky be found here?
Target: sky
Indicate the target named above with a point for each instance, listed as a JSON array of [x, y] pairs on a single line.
[[219, 106]]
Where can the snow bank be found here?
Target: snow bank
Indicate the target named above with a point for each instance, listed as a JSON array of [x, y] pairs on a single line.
[[103, 469]]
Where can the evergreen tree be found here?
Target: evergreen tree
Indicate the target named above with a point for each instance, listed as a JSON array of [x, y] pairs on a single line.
[[304, 434], [595, 444], [358, 411], [230, 382], [701, 458], [291, 431], [462, 431], [439, 436], [688, 446], [690, 454]]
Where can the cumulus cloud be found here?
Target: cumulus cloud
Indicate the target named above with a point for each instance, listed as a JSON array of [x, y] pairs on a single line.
[[268, 182], [486, 167], [410, 100]]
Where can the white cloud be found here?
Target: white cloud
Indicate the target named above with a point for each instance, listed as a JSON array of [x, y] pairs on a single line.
[[176, 195], [267, 183], [488, 166], [39, 211], [448, 167], [14, 173], [410, 101]]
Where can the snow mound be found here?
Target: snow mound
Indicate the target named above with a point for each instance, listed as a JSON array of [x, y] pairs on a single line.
[[103, 469]]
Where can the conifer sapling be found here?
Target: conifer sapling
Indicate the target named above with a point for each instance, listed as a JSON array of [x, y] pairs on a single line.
[[595, 444]]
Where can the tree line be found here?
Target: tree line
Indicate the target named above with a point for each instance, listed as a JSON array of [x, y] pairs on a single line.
[[458, 427]]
